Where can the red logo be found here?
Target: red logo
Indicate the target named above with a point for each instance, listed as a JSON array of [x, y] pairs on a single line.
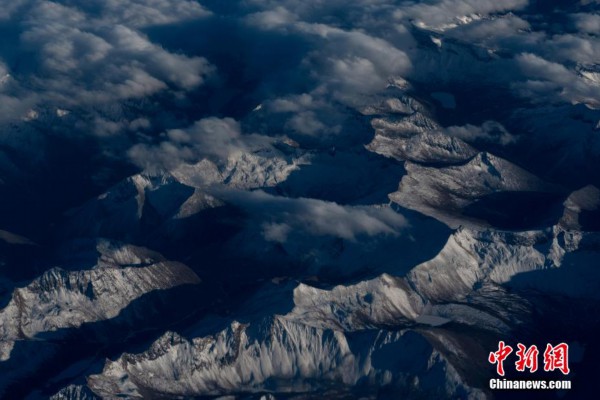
[[528, 358], [499, 356], [555, 358]]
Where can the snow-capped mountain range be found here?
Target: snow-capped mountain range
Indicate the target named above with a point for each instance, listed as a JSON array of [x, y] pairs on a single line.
[[367, 221]]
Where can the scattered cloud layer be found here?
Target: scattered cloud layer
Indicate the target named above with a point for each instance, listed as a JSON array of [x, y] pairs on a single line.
[[93, 54], [138, 69], [98, 53]]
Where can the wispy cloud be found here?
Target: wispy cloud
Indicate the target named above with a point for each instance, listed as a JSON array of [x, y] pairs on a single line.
[[280, 216]]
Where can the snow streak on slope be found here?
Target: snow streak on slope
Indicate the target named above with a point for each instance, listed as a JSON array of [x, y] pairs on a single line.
[[283, 356]]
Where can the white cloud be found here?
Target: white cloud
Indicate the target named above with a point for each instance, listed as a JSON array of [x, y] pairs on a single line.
[[210, 137], [489, 131], [316, 217], [276, 232], [567, 48], [589, 23], [9, 8], [306, 123], [278, 17], [354, 63], [294, 103], [550, 79], [142, 13], [311, 114]]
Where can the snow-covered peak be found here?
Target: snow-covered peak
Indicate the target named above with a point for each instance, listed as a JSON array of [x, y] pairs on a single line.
[[128, 208], [284, 356], [443, 192], [340, 336], [393, 105], [384, 301], [117, 255], [427, 147], [449, 25], [473, 258], [61, 298], [263, 168], [410, 125]]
